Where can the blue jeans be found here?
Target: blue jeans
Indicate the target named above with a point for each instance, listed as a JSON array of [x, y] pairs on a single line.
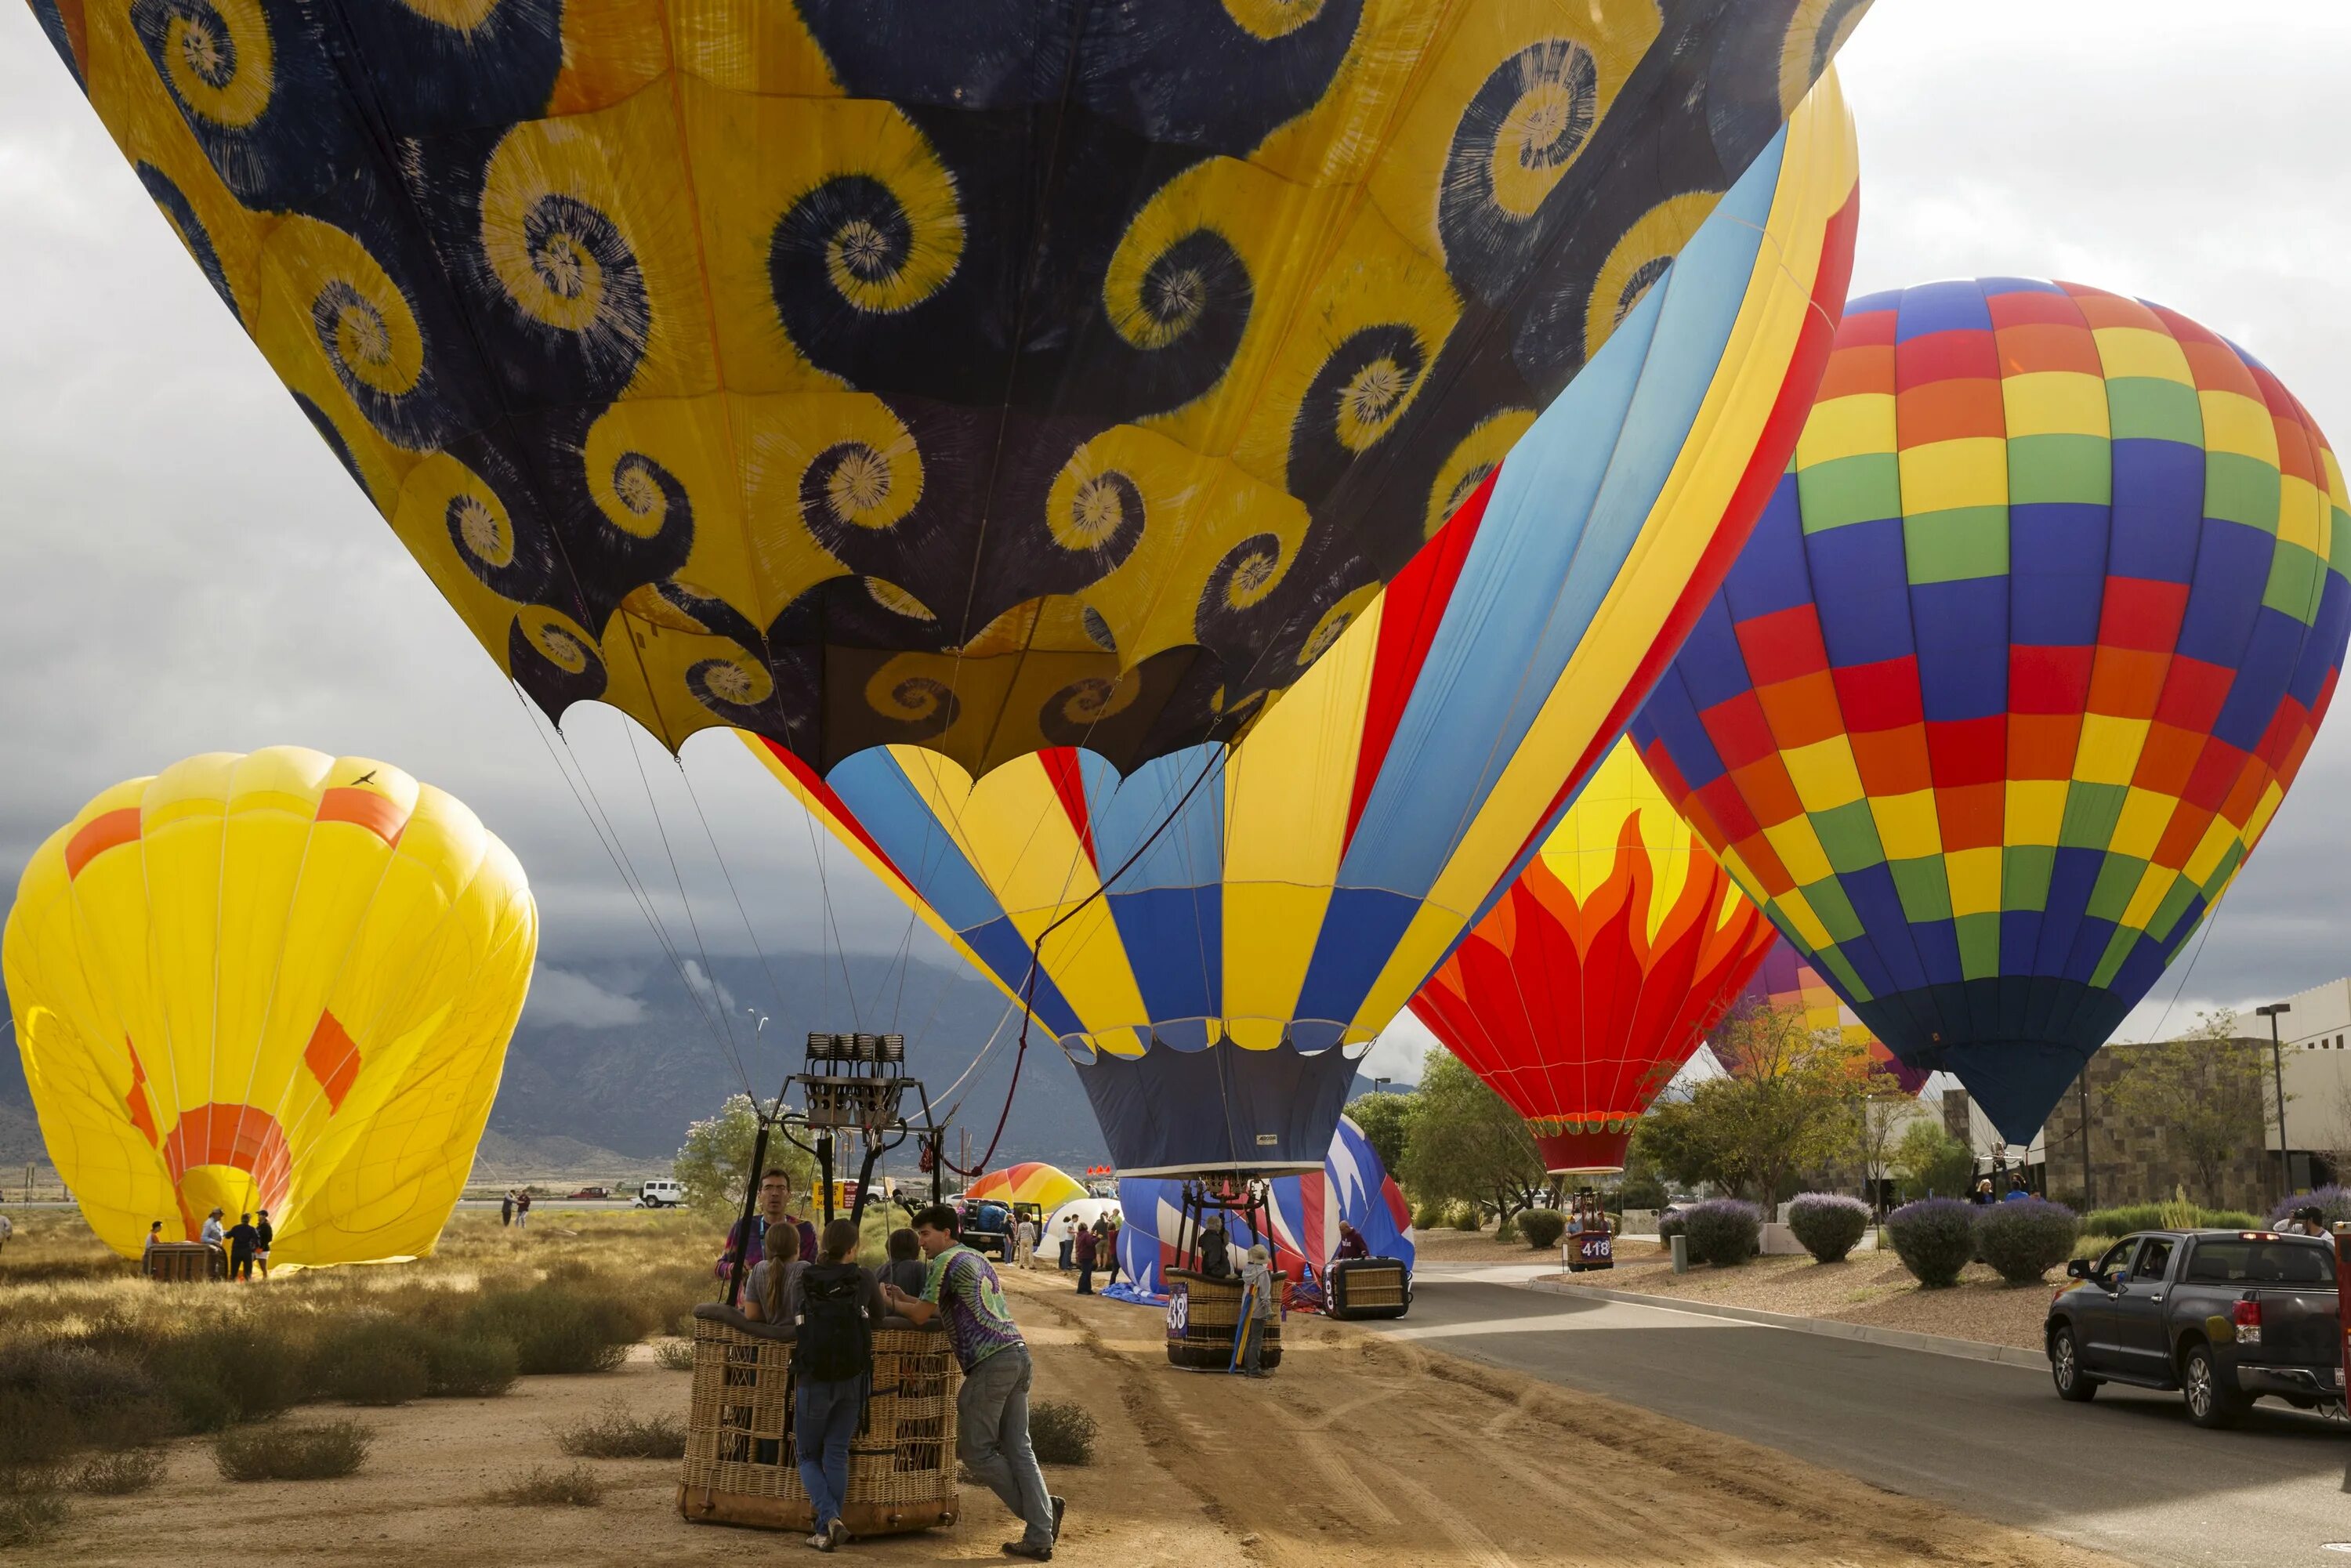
[[824, 1420], [992, 1438]]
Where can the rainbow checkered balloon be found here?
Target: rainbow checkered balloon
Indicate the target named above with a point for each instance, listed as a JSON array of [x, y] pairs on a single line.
[[2017, 668]]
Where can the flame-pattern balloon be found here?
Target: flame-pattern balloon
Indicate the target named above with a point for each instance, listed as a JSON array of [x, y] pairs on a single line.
[[1592, 979], [1216, 935], [986, 376], [281, 981], [1785, 980], [1031, 1181], [2017, 668]]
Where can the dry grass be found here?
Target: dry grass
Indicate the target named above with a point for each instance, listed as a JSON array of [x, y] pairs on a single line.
[[578, 1487], [675, 1355], [616, 1432], [288, 1452], [120, 1474]]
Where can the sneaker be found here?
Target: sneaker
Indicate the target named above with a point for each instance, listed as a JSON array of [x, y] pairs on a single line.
[[1060, 1507], [821, 1541], [838, 1533], [1023, 1548]]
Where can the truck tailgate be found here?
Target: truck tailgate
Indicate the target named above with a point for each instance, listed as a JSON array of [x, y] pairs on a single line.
[[2299, 1327]]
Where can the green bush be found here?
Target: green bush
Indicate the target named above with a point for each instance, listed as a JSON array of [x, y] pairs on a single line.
[[1508, 1230], [2123, 1218], [229, 1372], [1935, 1238], [1062, 1432], [57, 1398], [274, 1452], [1466, 1218], [2024, 1238], [120, 1473], [616, 1432], [675, 1355], [1429, 1216], [556, 1328], [1829, 1224], [1542, 1228], [1724, 1231], [463, 1366], [578, 1487], [372, 1361]]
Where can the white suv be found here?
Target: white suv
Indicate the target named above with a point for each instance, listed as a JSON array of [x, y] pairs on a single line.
[[660, 1194]]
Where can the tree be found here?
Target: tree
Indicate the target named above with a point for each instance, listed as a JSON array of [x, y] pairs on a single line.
[[2206, 1096], [1928, 1160], [1880, 1108], [1788, 1104], [1468, 1145], [716, 1164], [1386, 1121]]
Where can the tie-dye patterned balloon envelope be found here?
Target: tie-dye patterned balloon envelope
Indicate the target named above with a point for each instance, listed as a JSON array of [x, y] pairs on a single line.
[[986, 377], [2017, 664]]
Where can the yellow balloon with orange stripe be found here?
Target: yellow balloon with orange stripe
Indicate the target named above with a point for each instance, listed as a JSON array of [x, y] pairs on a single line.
[[278, 981]]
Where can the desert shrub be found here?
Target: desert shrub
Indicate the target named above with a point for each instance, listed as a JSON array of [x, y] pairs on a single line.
[[578, 1487], [616, 1432], [1724, 1231], [1429, 1216], [556, 1328], [1672, 1224], [2024, 1238], [290, 1452], [1829, 1224], [1508, 1230], [56, 1398], [2123, 1218], [675, 1355], [1466, 1218], [1542, 1228], [371, 1359], [30, 1517], [465, 1366], [120, 1473], [1935, 1238], [2333, 1201], [224, 1373], [1062, 1432]]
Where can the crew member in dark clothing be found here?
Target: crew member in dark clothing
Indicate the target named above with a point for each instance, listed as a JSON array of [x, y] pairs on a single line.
[[241, 1238], [1351, 1243], [1086, 1243], [906, 1269], [264, 1233]]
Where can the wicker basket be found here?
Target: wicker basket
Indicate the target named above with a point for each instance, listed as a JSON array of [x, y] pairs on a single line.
[[1370, 1288], [182, 1261], [740, 1465], [1203, 1317]]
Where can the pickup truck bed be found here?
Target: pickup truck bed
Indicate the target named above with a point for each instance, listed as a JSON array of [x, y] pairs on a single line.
[[2226, 1317]]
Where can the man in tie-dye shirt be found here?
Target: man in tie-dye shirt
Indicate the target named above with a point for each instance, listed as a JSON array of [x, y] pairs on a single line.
[[992, 1410]]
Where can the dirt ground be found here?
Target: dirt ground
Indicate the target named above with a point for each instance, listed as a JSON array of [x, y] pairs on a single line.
[[1360, 1450]]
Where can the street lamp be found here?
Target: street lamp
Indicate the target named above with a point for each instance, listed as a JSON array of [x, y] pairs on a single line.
[[1379, 1085], [2277, 1071]]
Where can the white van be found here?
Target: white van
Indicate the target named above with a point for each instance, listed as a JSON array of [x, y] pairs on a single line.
[[661, 1193]]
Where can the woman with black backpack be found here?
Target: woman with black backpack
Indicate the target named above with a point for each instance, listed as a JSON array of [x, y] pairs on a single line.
[[832, 1365]]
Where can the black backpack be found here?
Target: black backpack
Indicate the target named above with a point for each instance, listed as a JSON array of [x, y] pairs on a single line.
[[835, 1343]]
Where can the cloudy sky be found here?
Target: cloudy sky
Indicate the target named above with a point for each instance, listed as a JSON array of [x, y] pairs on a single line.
[[188, 569]]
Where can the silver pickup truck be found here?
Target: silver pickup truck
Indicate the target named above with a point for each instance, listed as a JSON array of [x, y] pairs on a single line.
[[2226, 1317]]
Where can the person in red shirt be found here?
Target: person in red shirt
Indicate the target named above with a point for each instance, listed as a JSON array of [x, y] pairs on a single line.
[[1086, 1243]]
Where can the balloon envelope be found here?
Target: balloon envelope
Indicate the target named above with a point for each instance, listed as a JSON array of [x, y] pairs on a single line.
[[1593, 977], [2021, 658], [1785, 980], [1031, 1181], [986, 377], [281, 981], [1216, 935]]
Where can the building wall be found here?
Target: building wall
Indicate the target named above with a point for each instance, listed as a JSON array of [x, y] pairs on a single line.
[[2129, 1162]]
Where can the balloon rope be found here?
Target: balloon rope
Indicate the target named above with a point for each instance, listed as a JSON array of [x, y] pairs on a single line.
[[717, 854], [628, 730], [1037, 952]]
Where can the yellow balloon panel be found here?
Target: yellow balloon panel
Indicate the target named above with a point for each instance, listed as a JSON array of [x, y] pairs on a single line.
[[280, 980]]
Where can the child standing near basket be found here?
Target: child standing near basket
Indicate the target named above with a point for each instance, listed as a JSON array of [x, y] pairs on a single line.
[[832, 1362]]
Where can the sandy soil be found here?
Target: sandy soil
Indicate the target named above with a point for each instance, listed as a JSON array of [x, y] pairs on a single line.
[[1360, 1450], [1867, 1288]]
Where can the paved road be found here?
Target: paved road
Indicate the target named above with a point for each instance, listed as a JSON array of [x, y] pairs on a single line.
[[2125, 1473]]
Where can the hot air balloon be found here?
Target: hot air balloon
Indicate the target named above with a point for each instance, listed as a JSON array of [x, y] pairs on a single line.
[[1217, 936], [986, 378], [1784, 980], [1590, 980], [1031, 1181], [281, 981], [2019, 663], [1302, 1216]]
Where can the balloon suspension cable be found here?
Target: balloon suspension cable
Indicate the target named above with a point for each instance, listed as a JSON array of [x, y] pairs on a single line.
[[715, 853], [1036, 950], [608, 837]]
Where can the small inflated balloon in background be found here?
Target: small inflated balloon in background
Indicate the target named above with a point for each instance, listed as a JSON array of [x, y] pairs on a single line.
[[1592, 978], [281, 981], [2017, 668]]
